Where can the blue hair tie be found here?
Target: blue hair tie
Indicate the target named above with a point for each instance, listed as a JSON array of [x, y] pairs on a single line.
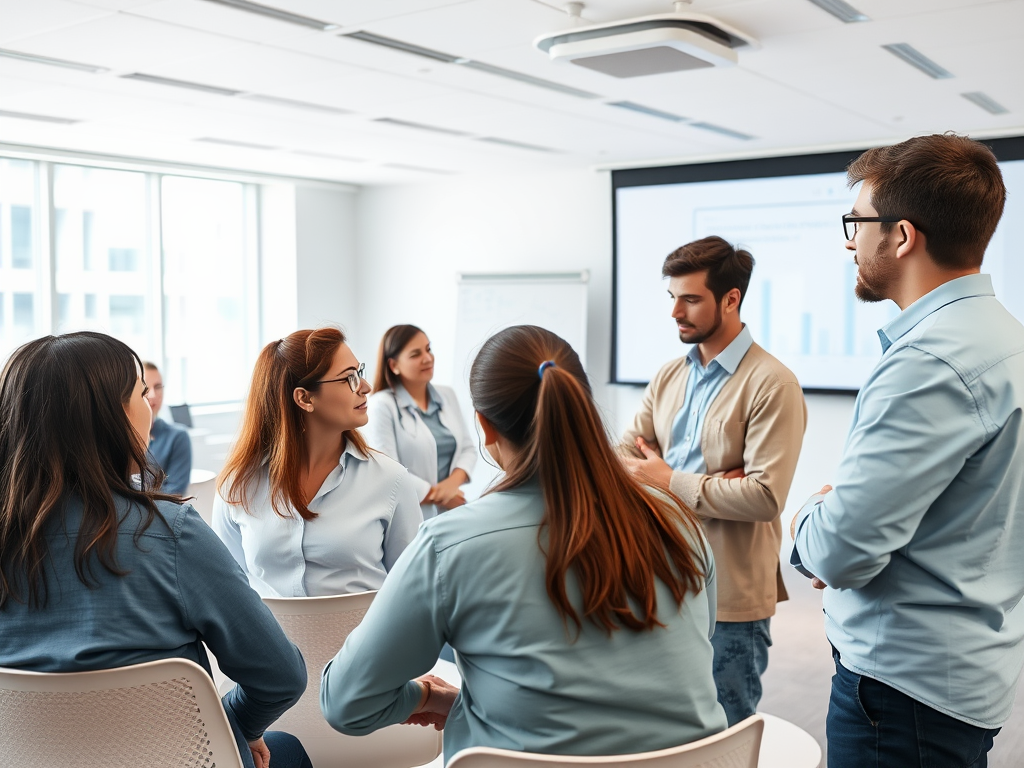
[[543, 367]]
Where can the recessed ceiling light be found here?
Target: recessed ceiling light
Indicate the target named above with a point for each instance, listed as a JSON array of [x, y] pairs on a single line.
[[52, 62], [649, 111], [276, 13], [38, 118], [328, 156], [721, 131], [517, 144], [479, 66], [918, 60], [233, 143], [841, 10], [986, 102], [280, 102], [155, 79], [420, 168], [419, 126]]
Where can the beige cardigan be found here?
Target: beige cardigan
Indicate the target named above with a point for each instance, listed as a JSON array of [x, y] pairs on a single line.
[[756, 423]]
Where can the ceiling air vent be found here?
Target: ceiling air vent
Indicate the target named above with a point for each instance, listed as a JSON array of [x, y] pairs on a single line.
[[649, 45], [918, 60]]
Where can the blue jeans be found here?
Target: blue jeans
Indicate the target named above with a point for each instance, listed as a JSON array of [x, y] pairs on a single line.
[[741, 657], [872, 725]]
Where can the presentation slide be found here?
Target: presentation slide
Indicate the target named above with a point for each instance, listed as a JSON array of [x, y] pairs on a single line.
[[800, 304]]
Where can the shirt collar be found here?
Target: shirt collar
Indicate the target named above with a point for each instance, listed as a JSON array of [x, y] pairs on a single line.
[[404, 399], [730, 357], [954, 290], [353, 451]]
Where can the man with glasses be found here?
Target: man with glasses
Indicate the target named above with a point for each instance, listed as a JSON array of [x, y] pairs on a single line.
[[918, 542], [721, 427]]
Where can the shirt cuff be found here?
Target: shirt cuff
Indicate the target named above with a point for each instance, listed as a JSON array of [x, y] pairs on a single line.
[[794, 558], [686, 486]]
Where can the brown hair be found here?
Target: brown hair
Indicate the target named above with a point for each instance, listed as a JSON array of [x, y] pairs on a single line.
[[947, 186], [726, 266], [64, 434], [612, 533], [271, 431], [391, 346]]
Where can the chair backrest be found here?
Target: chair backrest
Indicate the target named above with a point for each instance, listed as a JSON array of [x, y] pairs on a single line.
[[160, 714], [735, 747], [319, 626], [203, 494]]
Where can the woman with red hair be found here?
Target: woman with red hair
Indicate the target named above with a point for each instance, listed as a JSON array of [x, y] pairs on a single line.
[[303, 505]]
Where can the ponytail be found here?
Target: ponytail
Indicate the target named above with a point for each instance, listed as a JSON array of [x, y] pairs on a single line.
[[616, 537]]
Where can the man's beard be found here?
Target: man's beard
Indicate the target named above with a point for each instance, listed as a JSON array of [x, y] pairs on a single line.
[[874, 282], [705, 335]]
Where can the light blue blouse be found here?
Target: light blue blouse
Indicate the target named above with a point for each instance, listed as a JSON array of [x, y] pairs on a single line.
[[474, 577], [367, 513]]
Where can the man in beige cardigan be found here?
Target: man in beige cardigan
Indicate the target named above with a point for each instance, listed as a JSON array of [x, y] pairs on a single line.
[[722, 428]]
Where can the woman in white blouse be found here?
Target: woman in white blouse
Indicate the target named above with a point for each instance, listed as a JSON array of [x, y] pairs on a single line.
[[302, 504], [417, 423]]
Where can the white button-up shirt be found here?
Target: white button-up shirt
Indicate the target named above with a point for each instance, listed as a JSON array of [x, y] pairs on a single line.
[[368, 512]]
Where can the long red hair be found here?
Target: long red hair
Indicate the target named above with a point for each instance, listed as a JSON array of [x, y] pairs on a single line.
[[616, 536], [271, 431]]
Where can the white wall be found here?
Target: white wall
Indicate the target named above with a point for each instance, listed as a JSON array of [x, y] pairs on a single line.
[[325, 241], [412, 241]]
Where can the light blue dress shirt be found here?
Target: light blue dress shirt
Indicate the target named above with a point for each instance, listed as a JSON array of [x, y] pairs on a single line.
[[367, 514], [922, 538], [702, 387], [475, 577]]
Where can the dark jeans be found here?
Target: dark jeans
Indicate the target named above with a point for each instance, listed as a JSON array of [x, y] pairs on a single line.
[[741, 657], [872, 725]]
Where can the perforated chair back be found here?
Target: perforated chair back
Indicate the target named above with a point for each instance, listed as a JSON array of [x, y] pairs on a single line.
[[735, 747], [161, 714], [319, 626]]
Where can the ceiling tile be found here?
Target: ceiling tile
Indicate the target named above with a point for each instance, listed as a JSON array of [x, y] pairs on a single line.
[[23, 19]]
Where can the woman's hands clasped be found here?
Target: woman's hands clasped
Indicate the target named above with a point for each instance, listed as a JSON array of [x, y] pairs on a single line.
[[437, 701]]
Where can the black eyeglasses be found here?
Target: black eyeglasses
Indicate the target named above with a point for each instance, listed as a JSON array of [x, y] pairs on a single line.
[[354, 379], [850, 223]]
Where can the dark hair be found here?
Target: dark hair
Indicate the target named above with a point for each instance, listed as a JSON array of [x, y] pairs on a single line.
[[391, 346], [726, 266], [613, 533], [948, 186], [271, 431], [64, 433]]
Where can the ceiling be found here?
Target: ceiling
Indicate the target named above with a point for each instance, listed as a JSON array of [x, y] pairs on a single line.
[[813, 82]]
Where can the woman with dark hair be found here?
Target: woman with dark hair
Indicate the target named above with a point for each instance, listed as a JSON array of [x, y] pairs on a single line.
[[418, 423], [302, 504], [580, 602], [98, 570]]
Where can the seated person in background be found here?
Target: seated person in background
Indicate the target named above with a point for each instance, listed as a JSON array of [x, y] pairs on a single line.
[[97, 569], [580, 602], [302, 504], [169, 445], [417, 423]]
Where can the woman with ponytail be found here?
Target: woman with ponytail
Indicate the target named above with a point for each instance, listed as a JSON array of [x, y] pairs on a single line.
[[579, 602], [304, 506]]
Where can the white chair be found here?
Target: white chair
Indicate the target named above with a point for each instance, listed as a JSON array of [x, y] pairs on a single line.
[[319, 626], [736, 747], [203, 486], [160, 714]]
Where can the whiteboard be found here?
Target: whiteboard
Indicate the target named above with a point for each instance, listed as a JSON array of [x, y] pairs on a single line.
[[488, 303]]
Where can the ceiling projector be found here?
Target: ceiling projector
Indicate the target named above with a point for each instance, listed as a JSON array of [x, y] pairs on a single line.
[[648, 45]]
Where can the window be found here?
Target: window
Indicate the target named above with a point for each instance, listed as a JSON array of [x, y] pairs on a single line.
[[21, 277], [167, 264]]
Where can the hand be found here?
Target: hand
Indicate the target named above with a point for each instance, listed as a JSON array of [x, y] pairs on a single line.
[[818, 583], [446, 490], [455, 501], [436, 705], [792, 526], [260, 753], [734, 474], [651, 469]]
